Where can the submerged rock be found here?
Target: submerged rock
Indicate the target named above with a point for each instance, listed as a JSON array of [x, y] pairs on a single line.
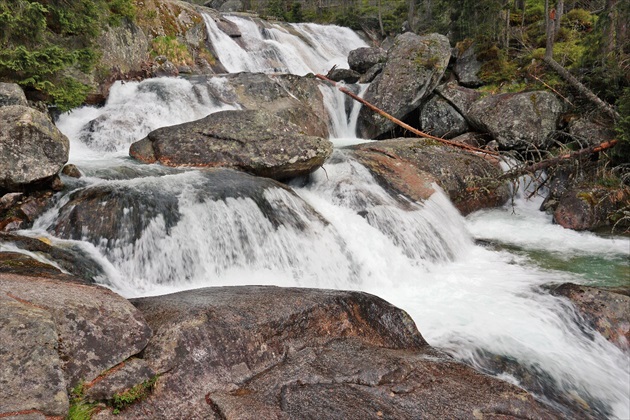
[[411, 166], [32, 149], [257, 142], [268, 352], [415, 65], [518, 120]]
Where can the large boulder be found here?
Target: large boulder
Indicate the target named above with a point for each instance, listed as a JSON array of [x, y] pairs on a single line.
[[19, 210], [363, 59], [518, 120], [606, 311], [57, 333], [293, 98], [257, 142], [589, 133], [32, 149], [466, 65], [411, 166], [415, 65], [12, 94], [268, 352], [440, 119]]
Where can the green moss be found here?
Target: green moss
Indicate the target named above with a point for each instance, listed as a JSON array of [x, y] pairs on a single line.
[[79, 408], [137, 393], [171, 48]]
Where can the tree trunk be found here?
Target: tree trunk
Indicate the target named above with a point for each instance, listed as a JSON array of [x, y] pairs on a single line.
[[380, 19], [549, 30], [411, 15], [583, 90], [559, 13]]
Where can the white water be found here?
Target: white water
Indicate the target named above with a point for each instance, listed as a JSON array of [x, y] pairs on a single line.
[[298, 48], [465, 298]]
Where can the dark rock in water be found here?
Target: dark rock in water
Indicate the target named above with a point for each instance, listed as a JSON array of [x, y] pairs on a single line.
[[268, 352], [19, 210], [71, 170], [410, 166], [590, 207], [22, 264], [229, 27], [518, 120], [12, 94], [363, 59], [467, 67], [440, 119], [32, 149], [604, 310], [75, 332], [344, 75], [69, 257], [415, 65], [124, 211], [257, 142]]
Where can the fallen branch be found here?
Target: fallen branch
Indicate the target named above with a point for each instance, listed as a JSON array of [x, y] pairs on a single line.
[[406, 126], [530, 169]]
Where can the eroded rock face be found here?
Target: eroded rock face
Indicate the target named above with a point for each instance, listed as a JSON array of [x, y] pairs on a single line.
[[410, 166], [268, 352], [606, 311], [415, 65], [517, 120], [32, 149], [257, 142]]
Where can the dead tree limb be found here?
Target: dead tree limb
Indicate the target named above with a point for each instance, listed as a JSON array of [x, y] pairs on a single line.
[[544, 164], [404, 125], [583, 90]]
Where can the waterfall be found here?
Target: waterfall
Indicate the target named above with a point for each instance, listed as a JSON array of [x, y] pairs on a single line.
[[298, 48], [339, 230]]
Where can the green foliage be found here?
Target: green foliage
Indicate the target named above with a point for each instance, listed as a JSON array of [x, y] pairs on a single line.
[[621, 152], [138, 392], [45, 41], [579, 20], [79, 408], [168, 46]]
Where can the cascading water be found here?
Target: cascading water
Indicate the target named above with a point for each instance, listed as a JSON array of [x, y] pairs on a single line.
[[341, 230]]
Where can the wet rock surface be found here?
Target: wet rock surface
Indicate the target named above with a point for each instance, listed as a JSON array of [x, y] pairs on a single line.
[[410, 166], [415, 64], [268, 352], [257, 142], [19, 210], [606, 311]]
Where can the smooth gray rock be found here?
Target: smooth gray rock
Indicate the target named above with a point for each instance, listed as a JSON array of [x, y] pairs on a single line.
[[12, 94], [32, 149], [440, 119], [415, 65], [518, 120]]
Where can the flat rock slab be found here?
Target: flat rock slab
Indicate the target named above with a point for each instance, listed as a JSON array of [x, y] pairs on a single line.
[[258, 142], [266, 352]]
